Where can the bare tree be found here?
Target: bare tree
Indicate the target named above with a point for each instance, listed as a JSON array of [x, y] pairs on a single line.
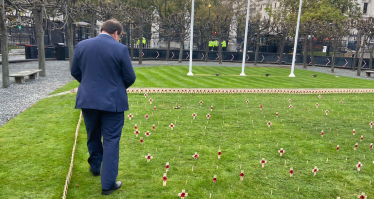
[[181, 21], [4, 46], [366, 27], [260, 26]]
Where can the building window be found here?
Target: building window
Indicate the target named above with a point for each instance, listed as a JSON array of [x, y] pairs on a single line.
[[365, 8]]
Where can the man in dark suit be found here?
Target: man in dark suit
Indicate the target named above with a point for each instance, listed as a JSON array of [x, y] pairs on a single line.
[[103, 68]]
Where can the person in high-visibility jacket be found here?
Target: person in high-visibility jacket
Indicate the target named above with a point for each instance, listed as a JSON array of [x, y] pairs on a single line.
[[211, 45], [143, 41], [216, 44], [223, 45]]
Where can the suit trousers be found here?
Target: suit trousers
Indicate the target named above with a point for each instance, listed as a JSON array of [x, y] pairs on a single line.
[[104, 155]]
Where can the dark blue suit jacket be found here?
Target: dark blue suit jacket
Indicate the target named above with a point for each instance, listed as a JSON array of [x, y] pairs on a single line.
[[103, 68]]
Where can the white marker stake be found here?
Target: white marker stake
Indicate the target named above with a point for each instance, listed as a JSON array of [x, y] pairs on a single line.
[[167, 167], [149, 157], [219, 154], [263, 161], [183, 194], [359, 165], [291, 172], [164, 179], [242, 175], [315, 170]]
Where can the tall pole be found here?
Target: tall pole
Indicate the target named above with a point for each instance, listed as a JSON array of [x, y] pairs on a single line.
[[191, 37], [4, 46], [245, 39], [296, 39]]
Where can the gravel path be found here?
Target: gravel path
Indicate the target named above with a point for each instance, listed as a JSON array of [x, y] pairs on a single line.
[[19, 97]]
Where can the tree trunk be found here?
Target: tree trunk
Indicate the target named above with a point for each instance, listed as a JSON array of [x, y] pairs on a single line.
[[4, 47], [362, 55], [257, 48], [168, 49], [206, 50], [93, 25], [132, 49], [357, 49], [38, 14], [281, 49], [312, 52], [181, 51], [70, 38], [371, 58], [305, 51], [220, 48], [333, 56], [141, 46]]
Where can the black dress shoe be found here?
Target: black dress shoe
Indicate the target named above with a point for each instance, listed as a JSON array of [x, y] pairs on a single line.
[[116, 186], [94, 173]]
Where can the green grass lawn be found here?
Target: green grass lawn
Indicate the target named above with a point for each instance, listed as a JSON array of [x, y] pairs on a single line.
[[204, 77], [35, 149], [234, 123]]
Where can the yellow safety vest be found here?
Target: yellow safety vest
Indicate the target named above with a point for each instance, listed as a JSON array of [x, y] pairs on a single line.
[[223, 44], [143, 41], [211, 44], [215, 43]]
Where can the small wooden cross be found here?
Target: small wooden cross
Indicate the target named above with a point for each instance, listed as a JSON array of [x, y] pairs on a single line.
[[147, 133], [208, 116], [154, 127], [171, 126], [149, 157], [215, 178], [201, 102], [289, 100], [356, 145], [164, 179], [362, 138], [317, 105], [247, 101], [320, 96], [141, 140], [242, 175], [337, 147], [327, 112], [146, 116], [354, 132], [219, 154], [136, 127], [359, 165], [362, 196], [269, 123], [194, 115], [322, 133], [150, 100], [263, 161], [276, 114], [183, 194], [371, 145], [341, 101], [196, 156], [130, 116], [281, 151], [371, 125], [315, 170], [154, 108], [145, 95], [291, 172], [211, 108], [136, 133], [261, 107], [167, 167], [290, 106]]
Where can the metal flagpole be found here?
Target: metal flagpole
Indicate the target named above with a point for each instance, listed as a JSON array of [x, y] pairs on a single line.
[[191, 37], [245, 40], [296, 39]]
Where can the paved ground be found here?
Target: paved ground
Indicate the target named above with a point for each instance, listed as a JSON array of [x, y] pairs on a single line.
[[15, 57], [19, 97]]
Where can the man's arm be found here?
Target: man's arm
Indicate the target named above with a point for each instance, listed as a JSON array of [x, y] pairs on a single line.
[[75, 71], [128, 73]]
